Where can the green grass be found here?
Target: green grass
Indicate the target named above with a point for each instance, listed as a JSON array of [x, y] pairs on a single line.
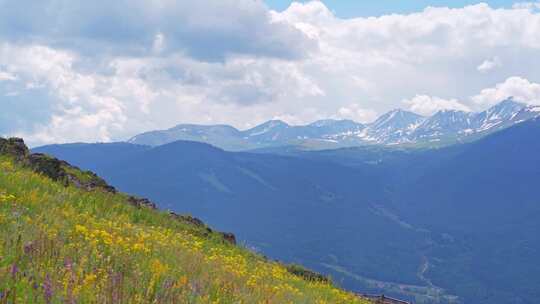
[[65, 245]]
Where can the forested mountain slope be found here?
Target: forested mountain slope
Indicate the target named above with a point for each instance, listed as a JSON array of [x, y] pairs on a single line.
[[450, 225], [68, 237]]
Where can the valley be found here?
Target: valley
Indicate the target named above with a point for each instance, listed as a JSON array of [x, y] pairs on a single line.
[[269, 152], [405, 222]]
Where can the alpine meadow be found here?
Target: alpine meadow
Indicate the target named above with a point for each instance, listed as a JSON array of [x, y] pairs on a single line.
[[269, 152]]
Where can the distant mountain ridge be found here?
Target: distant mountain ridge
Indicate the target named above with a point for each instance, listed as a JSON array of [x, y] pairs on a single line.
[[397, 127]]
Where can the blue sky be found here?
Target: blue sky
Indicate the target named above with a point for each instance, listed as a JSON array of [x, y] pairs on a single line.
[[355, 8]]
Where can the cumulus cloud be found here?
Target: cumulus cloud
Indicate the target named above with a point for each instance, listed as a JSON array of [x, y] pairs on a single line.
[[208, 29], [6, 76], [429, 105], [519, 88], [78, 105], [117, 104], [489, 65], [357, 113], [108, 74], [527, 5], [429, 51], [442, 30]]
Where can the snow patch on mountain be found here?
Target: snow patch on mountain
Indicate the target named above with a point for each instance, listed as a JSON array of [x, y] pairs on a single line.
[[396, 127]]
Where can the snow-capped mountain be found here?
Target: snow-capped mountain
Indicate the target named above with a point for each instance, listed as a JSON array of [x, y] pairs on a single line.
[[270, 128], [393, 127], [269, 132], [504, 115], [276, 131], [454, 126], [443, 124], [223, 136], [330, 129], [397, 127], [335, 128]]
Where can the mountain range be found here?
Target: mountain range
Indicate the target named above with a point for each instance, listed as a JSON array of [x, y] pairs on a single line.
[[457, 224], [397, 127]]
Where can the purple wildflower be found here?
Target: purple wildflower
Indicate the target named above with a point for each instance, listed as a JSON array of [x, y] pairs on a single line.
[[28, 248], [47, 289], [68, 263], [14, 270]]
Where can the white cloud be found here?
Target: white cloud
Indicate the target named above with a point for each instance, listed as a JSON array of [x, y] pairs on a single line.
[[527, 5], [489, 64], [236, 62], [357, 113], [428, 105], [205, 29], [6, 76], [429, 51], [139, 94], [519, 88], [159, 43], [83, 110], [440, 31]]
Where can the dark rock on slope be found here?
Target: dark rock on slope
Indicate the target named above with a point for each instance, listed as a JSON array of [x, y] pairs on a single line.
[[61, 171]]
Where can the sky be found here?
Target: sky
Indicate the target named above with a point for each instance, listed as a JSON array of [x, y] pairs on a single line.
[[101, 71], [352, 8]]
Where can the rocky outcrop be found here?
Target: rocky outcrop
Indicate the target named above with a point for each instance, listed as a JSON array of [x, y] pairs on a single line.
[[14, 147], [47, 166], [187, 218], [229, 237], [63, 172], [94, 183], [141, 202], [307, 274], [51, 167]]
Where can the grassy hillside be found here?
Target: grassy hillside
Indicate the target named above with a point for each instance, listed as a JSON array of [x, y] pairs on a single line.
[[63, 243]]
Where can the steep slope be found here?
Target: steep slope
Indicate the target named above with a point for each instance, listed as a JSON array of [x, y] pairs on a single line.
[[322, 215], [478, 201], [62, 243], [393, 127], [421, 224], [498, 115], [270, 132], [493, 172], [444, 125], [485, 200]]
